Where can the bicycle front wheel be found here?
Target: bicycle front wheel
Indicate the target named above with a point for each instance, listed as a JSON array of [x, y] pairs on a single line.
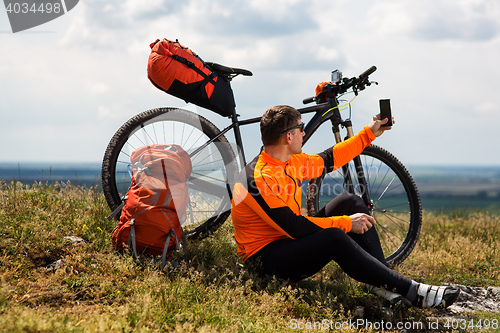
[[214, 166], [395, 200]]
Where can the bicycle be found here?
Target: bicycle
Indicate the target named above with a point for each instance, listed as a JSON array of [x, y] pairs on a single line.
[[385, 185]]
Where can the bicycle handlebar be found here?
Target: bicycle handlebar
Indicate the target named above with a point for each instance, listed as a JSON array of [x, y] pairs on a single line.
[[309, 100], [369, 71], [357, 83]]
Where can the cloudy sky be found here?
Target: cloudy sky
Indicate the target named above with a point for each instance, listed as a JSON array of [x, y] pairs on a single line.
[[67, 86]]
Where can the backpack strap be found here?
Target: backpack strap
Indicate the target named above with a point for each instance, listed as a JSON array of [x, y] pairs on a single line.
[[191, 65], [117, 210], [131, 239], [165, 249], [177, 247], [184, 244]]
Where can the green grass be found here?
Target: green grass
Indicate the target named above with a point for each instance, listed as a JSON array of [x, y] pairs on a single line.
[[101, 290]]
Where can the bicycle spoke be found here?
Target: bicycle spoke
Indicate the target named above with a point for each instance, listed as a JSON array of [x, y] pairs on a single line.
[[391, 239], [154, 132], [194, 144], [367, 175], [187, 139], [395, 187], [209, 177], [398, 195], [173, 133], [164, 133], [147, 136], [382, 181], [208, 156], [386, 188], [392, 219], [210, 162], [130, 145]]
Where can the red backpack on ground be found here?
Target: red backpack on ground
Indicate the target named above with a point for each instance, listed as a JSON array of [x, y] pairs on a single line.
[[178, 71], [156, 202]]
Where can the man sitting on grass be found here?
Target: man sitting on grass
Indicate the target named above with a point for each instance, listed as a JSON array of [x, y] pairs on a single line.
[[273, 235]]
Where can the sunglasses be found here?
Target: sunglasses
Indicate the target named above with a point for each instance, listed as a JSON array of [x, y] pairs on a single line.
[[301, 126]]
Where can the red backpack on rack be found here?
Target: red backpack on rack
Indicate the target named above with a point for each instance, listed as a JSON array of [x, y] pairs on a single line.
[[156, 202], [179, 71]]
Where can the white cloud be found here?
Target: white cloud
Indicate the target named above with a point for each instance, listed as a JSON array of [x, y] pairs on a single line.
[[470, 20], [98, 88], [390, 18], [436, 60], [486, 109], [140, 9], [105, 112]]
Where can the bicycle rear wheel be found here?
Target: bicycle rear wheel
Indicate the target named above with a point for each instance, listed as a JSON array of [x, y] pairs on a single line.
[[214, 166], [395, 200]]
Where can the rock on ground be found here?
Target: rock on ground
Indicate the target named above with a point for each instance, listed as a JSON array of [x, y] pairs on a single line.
[[473, 299]]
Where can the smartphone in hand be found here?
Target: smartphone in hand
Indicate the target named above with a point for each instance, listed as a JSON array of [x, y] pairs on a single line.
[[385, 111]]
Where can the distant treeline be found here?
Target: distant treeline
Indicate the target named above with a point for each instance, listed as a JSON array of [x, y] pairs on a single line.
[[440, 188]]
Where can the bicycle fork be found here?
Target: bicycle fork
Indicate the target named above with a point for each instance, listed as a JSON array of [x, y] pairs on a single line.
[[349, 185]]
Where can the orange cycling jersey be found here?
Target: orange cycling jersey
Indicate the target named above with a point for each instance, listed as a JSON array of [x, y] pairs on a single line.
[[267, 195]]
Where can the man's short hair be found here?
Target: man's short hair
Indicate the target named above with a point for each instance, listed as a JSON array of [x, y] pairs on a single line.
[[275, 120]]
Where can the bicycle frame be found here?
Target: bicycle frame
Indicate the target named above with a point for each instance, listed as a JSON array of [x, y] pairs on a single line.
[[310, 127], [399, 212]]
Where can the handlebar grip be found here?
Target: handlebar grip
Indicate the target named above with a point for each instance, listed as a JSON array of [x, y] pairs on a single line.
[[309, 100], [369, 71]]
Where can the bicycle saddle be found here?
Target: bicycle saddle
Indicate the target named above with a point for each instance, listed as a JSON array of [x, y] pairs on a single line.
[[229, 70]]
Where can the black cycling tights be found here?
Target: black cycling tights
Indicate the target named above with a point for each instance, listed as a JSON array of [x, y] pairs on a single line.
[[360, 256]]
